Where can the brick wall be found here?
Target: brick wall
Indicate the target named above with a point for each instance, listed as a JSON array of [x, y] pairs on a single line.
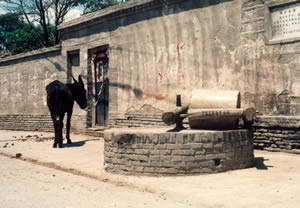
[[26, 122], [37, 123], [158, 152], [277, 133], [136, 120]]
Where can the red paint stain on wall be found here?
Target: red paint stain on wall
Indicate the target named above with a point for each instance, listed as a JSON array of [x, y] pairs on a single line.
[[143, 94], [180, 71], [157, 96]]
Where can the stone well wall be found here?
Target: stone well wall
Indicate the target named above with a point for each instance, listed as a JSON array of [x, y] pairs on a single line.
[[159, 152]]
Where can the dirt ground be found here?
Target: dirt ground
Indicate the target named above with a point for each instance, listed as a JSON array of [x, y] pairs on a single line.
[[274, 182]]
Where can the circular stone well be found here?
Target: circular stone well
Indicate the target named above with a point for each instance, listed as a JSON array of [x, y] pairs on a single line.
[[162, 152]]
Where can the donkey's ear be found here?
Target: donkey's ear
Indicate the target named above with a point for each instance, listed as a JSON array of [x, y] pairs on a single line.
[[80, 80], [74, 80]]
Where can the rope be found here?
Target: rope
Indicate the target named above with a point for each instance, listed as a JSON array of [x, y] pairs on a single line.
[[99, 95]]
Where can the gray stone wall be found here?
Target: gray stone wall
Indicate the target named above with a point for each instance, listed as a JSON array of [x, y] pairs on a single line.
[[159, 152], [157, 51], [23, 79], [270, 68]]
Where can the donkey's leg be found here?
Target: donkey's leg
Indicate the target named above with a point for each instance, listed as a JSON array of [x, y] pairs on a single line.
[[60, 130], [53, 117], [58, 133], [69, 116]]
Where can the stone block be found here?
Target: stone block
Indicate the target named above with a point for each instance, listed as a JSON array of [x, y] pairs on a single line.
[[197, 146], [208, 146], [150, 170], [171, 171], [173, 146], [188, 158], [177, 158], [155, 163], [142, 158], [161, 147], [165, 152], [179, 138], [183, 152]]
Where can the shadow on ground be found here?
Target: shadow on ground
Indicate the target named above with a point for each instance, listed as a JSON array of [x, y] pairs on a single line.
[[79, 143], [260, 165], [176, 129]]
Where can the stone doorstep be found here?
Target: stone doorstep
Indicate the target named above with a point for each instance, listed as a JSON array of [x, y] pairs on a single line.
[[96, 131], [98, 128]]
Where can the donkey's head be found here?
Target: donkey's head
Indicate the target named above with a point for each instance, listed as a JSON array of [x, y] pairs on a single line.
[[79, 92]]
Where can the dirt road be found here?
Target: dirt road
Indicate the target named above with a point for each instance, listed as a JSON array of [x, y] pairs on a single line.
[[24, 185], [74, 177]]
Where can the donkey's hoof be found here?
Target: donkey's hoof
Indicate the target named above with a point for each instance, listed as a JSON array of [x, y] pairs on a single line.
[[60, 146], [69, 142], [54, 145]]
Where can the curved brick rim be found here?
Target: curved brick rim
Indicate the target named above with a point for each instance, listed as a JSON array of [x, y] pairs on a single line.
[[159, 152]]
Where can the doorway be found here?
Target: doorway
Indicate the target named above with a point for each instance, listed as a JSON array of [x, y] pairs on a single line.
[[100, 69]]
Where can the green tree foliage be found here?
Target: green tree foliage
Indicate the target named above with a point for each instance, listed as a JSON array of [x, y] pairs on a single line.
[[46, 13], [17, 36], [31, 24]]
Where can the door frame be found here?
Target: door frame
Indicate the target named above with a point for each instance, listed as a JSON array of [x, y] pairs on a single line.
[[91, 87]]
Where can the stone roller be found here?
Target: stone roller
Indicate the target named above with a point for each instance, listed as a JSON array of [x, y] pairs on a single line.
[[172, 117], [221, 118], [215, 99], [213, 109], [212, 118]]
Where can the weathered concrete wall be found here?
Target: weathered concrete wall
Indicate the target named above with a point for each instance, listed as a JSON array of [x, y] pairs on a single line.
[[160, 51], [23, 82], [268, 69], [23, 79]]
